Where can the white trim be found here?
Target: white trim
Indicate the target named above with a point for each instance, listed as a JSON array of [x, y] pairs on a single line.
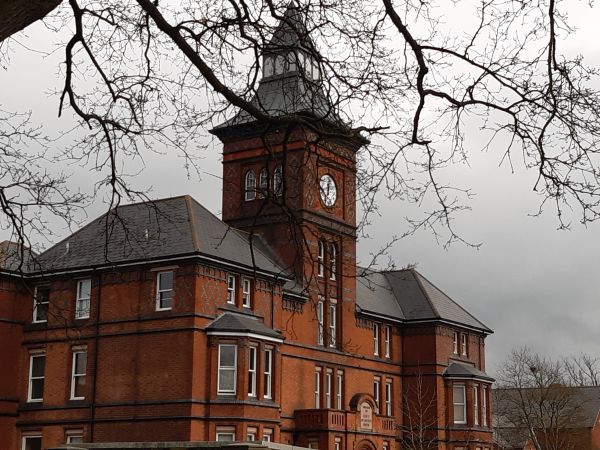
[[244, 334], [332, 316], [229, 391], [159, 291], [463, 404], [387, 341], [78, 299], [376, 330], [30, 377], [74, 376], [252, 370], [320, 322], [231, 289], [268, 375], [339, 387], [246, 293], [30, 436], [35, 305], [328, 389]]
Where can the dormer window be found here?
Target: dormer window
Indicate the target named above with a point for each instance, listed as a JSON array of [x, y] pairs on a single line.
[[250, 186]]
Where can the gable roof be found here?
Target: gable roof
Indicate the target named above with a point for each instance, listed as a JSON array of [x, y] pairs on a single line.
[[154, 230], [406, 295]]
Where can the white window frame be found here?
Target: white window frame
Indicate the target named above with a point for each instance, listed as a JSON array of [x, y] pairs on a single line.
[[231, 282], [268, 374], [386, 445], [455, 343], [375, 339], [252, 363], [225, 431], [484, 394], [246, 293], [30, 436], [337, 443], [317, 388], [251, 433], [74, 436], [249, 186], [377, 393], [332, 261], [75, 376], [463, 344], [263, 183], [332, 323], [80, 311], [339, 390], [320, 258], [387, 336], [463, 404], [220, 368], [159, 291], [36, 304], [476, 404], [30, 399], [328, 387], [320, 322], [388, 397], [267, 435], [278, 181]]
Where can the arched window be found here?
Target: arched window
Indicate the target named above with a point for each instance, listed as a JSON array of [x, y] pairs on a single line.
[[321, 259], [250, 185], [278, 181], [332, 262], [263, 183]]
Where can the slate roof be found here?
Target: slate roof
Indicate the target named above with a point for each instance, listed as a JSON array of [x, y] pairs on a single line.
[[456, 369], [166, 228], [406, 295], [15, 257], [241, 323]]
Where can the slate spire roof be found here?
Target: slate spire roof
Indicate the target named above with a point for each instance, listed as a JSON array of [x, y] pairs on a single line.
[[406, 295], [295, 91]]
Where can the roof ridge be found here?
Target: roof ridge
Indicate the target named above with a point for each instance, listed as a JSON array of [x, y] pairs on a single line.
[[435, 311], [192, 222]]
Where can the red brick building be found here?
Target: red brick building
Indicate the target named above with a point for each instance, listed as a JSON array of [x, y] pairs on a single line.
[[161, 322]]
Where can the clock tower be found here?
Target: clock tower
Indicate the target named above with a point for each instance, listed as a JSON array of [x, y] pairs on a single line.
[[292, 180]]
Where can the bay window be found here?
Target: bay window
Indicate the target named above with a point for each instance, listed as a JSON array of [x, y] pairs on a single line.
[[460, 404], [226, 380]]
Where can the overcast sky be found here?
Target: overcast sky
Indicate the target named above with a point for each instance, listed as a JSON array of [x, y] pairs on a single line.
[[533, 285]]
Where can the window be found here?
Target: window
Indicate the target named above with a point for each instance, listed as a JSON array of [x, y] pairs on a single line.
[[32, 443], [317, 388], [332, 323], [268, 69], [75, 437], [455, 343], [339, 389], [376, 339], [78, 372], [251, 434], [321, 259], [313, 444], [338, 443], [320, 322], [484, 395], [225, 434], [388, 397], [332, 262], [387, 331], [268, 374], [376, 391], [463, 344], [227, 369], [476, 404], [82, 304], [164, 290], [250, 193], [267, 435], [41, 300], [328, 386], [231, 289], [460, 404], [386, 445], [246, 293], [263, 183], [278, 181], [37, 363], [252, 372]]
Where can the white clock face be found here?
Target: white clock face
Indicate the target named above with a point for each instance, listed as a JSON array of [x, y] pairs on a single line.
[[328, 190]]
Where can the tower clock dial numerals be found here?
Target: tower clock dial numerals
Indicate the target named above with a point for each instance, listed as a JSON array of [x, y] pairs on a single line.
[[328, 190]]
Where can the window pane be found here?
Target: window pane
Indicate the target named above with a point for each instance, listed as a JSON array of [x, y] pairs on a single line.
[[37, 389], [80, 362], [32, 443], [226, 380], [37, 365], [166, 281], [85, 287], [227, 355]]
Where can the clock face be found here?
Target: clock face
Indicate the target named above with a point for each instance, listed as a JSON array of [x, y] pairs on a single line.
[[328, 190]]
